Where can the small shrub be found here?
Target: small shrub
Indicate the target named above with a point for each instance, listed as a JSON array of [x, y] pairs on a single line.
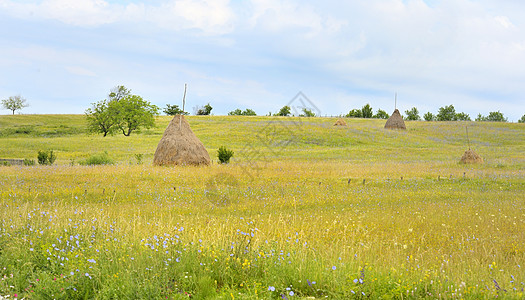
[[139, 157], [29, 162], [224, 155], [97, 159], [46, 157]]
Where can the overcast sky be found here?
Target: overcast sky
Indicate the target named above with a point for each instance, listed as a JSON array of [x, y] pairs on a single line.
[[62, 55]]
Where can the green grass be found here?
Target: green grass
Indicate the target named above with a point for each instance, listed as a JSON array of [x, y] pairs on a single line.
[[361, 211]]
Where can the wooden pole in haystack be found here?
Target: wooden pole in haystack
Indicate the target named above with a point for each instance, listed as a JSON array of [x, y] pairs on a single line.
[[395, 103], [183, 104], [468, 140]]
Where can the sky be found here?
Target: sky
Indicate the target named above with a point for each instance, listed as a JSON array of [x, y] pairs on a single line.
[[63, 55]]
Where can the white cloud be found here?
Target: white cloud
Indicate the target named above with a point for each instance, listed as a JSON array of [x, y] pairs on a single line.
[[208, 16]]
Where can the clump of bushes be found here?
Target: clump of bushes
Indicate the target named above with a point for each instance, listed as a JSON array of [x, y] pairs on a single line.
[[224, 155], [97, 159], [29, 162], [46, 157]]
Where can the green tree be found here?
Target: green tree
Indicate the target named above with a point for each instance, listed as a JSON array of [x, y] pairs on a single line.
[[381, 114], [522, 120], [123, 111], [284, 112], [100, 119], [447, 113], [249, 112], [307, 113], [14, 103], [412, 114], [366, 111], [429, 117], [172, 110], [246, 112], [355, 113], [237, 112], [462, 117], [132, 113], [204, 111], [494, 116]]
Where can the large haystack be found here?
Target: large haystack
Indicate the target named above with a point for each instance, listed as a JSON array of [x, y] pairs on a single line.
[[395, 121], [340, 122], [180, 146], [471, 157]]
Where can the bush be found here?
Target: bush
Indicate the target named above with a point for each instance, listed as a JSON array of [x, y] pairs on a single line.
[[46, 157], [429, 117], [204, 111], [172, 110], [494, 116], [522, 120], [224, 155], [29, 162], [284, 112], [246, 112], [381, 114], [97, 159], [412, 114]]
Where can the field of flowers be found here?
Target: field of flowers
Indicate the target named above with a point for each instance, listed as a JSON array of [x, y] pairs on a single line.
[[305, 211]]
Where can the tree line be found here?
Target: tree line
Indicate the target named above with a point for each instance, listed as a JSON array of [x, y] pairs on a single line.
[[125, 112]]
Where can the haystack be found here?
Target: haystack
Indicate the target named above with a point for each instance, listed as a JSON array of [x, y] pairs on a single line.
[[180, 146], [340, 122], [471, 157], [395, 121]]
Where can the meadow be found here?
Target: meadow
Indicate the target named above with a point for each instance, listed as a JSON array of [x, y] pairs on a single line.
[[305, 210]]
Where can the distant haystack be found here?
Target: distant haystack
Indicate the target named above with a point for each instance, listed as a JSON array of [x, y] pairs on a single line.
[[340, 122], [180, 146], [395, 121], [471, 157]]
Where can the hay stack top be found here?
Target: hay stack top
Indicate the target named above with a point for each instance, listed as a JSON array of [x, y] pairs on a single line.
[[340, 122], [180, 146], [395, 121], [471, 157]]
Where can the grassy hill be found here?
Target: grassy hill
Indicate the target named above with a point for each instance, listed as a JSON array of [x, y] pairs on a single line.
[[276, 138], [305, 210]]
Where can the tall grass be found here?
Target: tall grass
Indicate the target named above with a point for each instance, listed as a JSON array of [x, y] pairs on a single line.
[[316, 220]]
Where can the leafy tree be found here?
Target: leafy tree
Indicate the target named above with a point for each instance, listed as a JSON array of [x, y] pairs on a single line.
[[366, 111], [412, 114], [14, 103], [429, 117], [238, 112], [249, 112], [494, 116], [307, 113], [462, 117], [172, 110], [447, 113], [100, 119], [123, 111], [355, 113], [522, 120], [284, 112], [204, 111], [132, 112], [381, 114]]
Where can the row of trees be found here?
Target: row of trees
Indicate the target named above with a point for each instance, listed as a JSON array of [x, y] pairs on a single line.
[[446, 113]]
